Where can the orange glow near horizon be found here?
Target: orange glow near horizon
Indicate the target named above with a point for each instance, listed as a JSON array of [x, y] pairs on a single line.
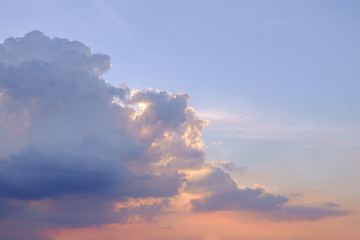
[[218, 226]]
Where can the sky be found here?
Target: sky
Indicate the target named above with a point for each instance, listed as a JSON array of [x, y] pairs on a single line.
[[209, 120]]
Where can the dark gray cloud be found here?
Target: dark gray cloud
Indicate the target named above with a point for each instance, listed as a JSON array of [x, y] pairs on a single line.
[[23, 219], [34, 175], [268, 205], [241, 199], [147, 211]]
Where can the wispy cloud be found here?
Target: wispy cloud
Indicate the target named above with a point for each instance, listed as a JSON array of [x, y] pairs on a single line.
[[256, 124]]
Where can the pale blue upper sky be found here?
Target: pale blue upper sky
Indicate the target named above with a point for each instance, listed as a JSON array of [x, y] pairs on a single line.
[[279, 80]]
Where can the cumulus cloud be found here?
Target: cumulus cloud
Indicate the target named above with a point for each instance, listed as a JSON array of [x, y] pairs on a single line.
[[73, 145], [78, 151]]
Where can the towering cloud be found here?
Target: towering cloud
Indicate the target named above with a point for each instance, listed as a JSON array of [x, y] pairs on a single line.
[[71, 140], [73, 146]]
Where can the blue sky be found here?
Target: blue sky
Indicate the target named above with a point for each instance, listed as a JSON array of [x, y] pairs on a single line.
[[277, 80], [298, 57]]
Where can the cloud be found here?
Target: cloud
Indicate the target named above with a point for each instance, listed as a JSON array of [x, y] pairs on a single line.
[[302, 213], [212, 180], [226, 195], [138, 210], [257, 125], [242, 199], [331, 204], [78, 151], [34, 175], [72, 145], [223, 194]]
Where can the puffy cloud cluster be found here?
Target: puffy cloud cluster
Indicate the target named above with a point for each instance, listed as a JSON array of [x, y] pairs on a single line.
[[70, 140], [76, 150]]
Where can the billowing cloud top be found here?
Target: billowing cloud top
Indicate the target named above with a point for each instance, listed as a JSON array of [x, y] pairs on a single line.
[[73, 145]]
